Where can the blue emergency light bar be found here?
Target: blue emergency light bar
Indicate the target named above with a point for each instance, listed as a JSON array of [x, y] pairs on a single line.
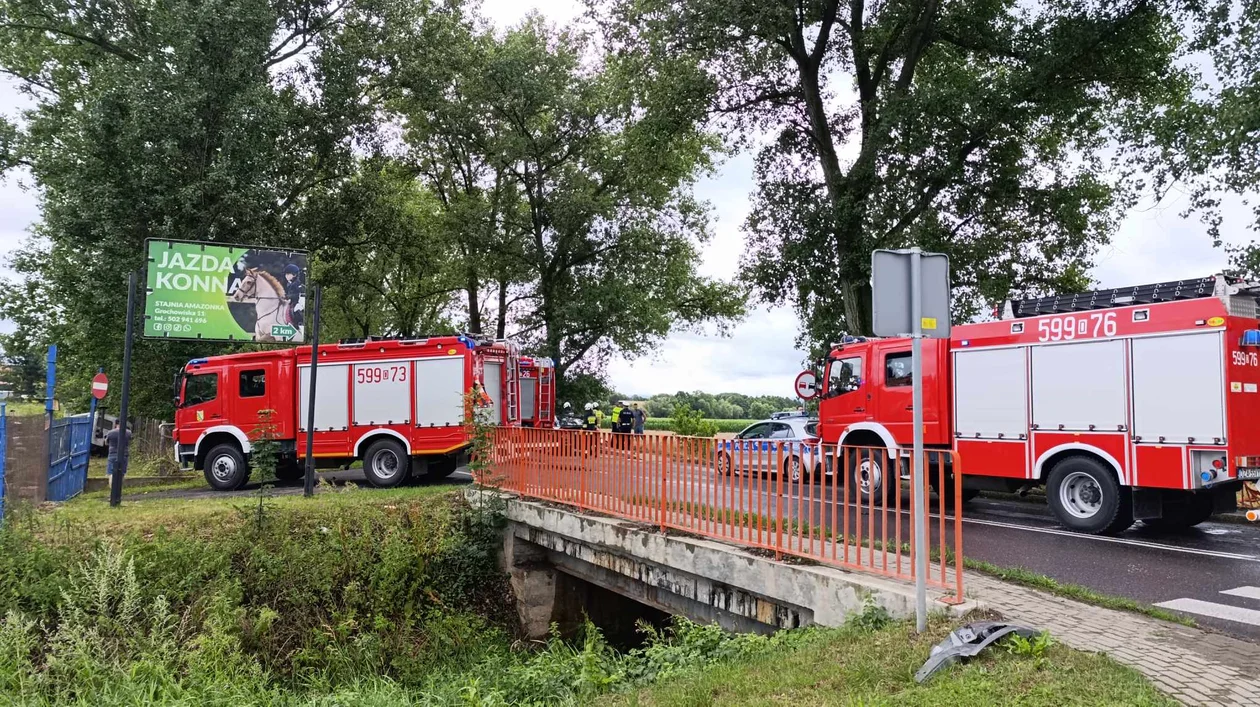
[[1251, 337]]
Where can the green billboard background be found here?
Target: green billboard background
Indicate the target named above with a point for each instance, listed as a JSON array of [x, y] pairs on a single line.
[[226, 292]]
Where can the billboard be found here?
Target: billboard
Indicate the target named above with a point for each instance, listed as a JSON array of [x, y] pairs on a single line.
[[229, 292]]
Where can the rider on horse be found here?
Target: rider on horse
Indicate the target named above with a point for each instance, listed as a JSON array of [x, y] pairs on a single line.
[[294, 293]]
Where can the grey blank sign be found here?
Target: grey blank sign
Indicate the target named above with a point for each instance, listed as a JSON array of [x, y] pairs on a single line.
[[890, 294]]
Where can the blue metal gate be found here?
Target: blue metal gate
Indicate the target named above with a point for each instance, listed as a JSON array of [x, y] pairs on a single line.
[[70, 444], [4, 453]]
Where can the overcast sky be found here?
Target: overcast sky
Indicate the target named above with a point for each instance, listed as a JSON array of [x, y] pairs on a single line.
[[1153, 244]]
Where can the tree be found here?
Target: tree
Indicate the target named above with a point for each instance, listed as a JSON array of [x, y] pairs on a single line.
[[973, 128], [187, 119], [382, 255], [1209, 145], [600, 226]]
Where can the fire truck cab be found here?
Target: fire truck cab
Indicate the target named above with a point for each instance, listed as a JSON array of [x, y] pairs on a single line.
[[1131, 404], [397, 405]]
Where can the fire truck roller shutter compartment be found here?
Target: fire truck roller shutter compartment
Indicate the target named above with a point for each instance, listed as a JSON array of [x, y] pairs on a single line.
[[382, 393], [1179, 389], [1078, 387], [493, 383], [991, 393], [529, 397], [440, 391], [331, 409]]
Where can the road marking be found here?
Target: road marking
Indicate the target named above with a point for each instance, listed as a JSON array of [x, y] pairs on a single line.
[[1214, 610], [1245, 592], [1108, 539]]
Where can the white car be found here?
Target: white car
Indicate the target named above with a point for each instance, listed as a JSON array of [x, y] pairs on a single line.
[[756, 448]]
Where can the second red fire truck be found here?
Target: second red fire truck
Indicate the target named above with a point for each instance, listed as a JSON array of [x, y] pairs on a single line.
[[397, 405], [1138, 403]]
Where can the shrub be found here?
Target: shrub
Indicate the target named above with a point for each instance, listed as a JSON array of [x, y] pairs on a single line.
[[691, 423]]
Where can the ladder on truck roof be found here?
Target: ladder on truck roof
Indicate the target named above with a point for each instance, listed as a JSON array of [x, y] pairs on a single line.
[[1222, 286]]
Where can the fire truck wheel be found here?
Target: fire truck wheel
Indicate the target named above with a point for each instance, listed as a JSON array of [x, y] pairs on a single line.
[[1086, 497], [225, 468], [867, 467], [386, 463]]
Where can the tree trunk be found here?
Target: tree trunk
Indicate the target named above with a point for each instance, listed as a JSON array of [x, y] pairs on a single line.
[[474, 306], [501, 327]]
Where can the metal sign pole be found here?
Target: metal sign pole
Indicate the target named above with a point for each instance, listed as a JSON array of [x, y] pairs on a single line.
[[309, 480], [120, 468], [917, 471]]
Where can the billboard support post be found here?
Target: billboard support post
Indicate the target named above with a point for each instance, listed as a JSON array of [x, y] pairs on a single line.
[[120, 467], [308, 483]]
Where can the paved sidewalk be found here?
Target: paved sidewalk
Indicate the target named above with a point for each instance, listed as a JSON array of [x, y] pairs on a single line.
[[1194, 666]]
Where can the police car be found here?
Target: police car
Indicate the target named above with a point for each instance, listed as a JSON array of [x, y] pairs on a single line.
[[755, 450]]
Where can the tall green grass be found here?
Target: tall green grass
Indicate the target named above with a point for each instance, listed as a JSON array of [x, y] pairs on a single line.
[[348, 598]]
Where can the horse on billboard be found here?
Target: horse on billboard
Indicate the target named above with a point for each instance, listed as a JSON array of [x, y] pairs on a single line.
[[271, 305]]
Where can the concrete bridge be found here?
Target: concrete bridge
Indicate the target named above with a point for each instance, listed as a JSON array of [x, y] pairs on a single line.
[[594, 527]]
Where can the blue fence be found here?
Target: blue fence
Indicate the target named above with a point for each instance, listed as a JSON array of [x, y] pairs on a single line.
[[70, 444], [4, 453]]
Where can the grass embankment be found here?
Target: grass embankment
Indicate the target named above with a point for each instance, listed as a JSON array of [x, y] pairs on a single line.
[[394, 598], [864, 664]]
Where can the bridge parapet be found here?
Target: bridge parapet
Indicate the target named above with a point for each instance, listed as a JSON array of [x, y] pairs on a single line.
[[702, 579]]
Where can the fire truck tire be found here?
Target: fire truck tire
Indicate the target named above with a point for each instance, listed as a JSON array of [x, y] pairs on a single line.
[[1086, 497], [867, 475], [225, 468], [386, 464]]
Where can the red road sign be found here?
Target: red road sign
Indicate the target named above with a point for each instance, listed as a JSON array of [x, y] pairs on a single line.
[[806, 385], [100, 386]]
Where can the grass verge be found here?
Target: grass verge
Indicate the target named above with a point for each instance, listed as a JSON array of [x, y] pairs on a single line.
[[1036, 580], [855, 665]]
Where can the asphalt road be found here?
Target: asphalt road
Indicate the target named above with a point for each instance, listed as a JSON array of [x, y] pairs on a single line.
[[1211, 573]]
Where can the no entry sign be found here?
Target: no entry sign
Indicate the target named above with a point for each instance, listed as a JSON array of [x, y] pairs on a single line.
[[100, 386]]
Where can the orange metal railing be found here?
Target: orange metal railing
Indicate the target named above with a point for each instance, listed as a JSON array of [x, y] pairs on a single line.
[[811, 501]]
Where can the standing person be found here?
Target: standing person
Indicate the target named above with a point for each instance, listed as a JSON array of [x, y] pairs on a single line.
[[111, 443], [624, 425], [640, 418], [616, 415]]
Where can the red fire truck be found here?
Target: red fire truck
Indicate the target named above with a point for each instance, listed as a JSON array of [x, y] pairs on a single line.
[[538, 392], [1138, 403], [391, 403]]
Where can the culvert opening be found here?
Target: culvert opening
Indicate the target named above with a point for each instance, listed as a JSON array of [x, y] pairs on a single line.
[[618, 617]]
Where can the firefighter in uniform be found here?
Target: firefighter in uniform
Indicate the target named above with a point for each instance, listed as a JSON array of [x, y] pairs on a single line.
[[623, 426]]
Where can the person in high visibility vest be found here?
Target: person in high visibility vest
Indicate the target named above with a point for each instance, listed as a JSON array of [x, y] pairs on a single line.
[[592, 418], [616, 416]]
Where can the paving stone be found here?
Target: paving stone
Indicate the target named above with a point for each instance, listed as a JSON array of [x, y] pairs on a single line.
[[1183, 661]]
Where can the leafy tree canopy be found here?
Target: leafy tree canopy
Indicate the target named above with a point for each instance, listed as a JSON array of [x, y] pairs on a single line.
[[973, 128]]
